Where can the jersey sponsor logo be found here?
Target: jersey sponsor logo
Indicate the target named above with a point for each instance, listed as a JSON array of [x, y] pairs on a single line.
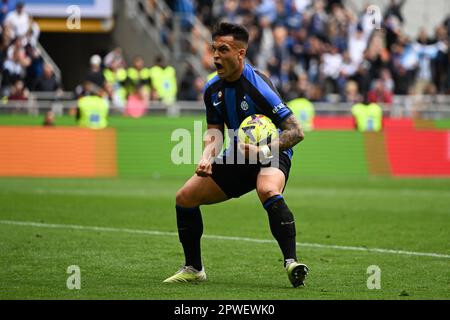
[[279, 107], [216, 103]]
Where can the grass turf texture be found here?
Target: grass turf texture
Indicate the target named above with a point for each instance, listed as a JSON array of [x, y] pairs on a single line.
[[409, 215]]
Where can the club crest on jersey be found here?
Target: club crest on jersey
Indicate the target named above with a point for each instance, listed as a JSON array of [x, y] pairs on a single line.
[[244, 105], [219, 94]]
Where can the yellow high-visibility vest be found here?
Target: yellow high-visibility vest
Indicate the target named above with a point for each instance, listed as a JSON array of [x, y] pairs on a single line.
[[93, 112], [303, 110], [112, 77], [368, 117], [164, 81], [117, 79], [137, 77]]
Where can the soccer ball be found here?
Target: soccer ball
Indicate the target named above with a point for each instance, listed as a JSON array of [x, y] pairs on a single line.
[[257, 129]]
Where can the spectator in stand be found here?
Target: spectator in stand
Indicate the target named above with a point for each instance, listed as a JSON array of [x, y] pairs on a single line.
[[138, 74], [19, 92], [32, 36], [185, 9], [115, 57], [116, 82], [331, 67], [357, 43], [191, 90], [314, 49], [36, 67], [301, 30], [280, 54], [441, 63], [19, 20], [346, 71], [83, 89], [95, 73], [138, 102], [352, 92], [204, 11], [319, 20], [14, 67], [379, 93], [48, 82], [426, 51], [376, 55], [394, 9], [230, 8], [4, 9]]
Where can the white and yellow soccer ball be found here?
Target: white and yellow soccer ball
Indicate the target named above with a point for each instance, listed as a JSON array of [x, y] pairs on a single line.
[[257, 129]]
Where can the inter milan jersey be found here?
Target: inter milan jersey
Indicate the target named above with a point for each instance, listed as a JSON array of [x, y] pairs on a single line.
[[253, 93]]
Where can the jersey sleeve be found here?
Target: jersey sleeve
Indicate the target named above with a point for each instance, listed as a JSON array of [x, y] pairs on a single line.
[[213, 116], [267, 98]]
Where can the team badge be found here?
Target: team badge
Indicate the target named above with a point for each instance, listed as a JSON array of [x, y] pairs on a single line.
[[219, 94], [244, 105]]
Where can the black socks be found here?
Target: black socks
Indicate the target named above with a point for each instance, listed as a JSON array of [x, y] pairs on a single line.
[[190, 230], [281, 220], [282, 225]]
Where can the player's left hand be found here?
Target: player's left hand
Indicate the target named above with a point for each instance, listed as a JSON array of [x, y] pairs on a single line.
[[204, 168]]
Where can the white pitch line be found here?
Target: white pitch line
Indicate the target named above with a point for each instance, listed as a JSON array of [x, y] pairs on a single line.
[[216, 237]]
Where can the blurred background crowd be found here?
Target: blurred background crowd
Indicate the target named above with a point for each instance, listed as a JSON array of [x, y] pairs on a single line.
[[317, 48], [322, 50], [21, 64]]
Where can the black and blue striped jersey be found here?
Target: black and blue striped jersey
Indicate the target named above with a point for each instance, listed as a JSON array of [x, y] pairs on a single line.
[[230, 103]]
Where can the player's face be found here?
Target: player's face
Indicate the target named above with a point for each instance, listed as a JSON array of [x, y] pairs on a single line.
[[228, 57]]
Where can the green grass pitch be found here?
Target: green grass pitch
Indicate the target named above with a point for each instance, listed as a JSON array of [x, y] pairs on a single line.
[[407, 215], [136, 247]]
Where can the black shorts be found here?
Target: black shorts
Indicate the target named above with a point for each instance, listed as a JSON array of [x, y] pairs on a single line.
[[236, 180]]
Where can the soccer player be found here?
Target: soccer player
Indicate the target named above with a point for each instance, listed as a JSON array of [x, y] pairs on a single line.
[[236, 92]]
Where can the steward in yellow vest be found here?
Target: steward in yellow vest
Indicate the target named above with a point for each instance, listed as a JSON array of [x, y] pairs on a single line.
[[138, 75], [117, 78], [164, 81], [303, 110], [368, 116], [93, 110]]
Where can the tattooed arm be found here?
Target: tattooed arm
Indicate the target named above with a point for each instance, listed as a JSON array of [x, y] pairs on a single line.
[[291, 135]]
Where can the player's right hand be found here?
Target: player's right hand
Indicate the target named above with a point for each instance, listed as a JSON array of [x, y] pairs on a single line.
[[204, 168]]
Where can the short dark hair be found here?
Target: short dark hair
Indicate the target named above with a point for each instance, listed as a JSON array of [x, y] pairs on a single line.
[[238, 31]]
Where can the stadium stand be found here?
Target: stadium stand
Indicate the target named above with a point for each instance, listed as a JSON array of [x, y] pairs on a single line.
[[328, 51]]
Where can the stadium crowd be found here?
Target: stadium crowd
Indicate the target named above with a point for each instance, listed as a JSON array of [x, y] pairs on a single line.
[[22, 66], [318, 47]]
